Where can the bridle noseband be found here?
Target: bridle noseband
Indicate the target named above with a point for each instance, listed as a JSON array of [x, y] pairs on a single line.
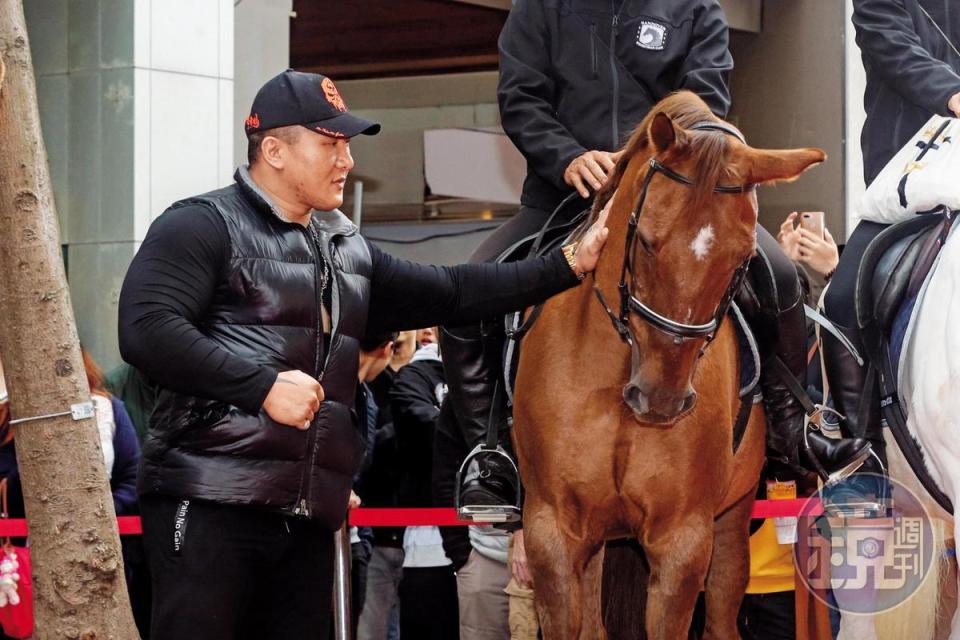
[[629, 303]]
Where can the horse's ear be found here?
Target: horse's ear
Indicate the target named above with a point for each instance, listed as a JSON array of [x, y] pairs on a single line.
[[768, 165], [663, 133]]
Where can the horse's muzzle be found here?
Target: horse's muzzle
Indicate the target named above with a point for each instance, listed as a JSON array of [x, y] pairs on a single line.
[[662, 412]]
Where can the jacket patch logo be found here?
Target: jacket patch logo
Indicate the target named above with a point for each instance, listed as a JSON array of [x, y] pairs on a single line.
[[652, 35]]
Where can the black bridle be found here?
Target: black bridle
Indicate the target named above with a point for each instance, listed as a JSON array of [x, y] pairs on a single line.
[[629, 303]]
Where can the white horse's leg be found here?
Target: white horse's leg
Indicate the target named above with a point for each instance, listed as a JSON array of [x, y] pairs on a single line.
[[857, 627]]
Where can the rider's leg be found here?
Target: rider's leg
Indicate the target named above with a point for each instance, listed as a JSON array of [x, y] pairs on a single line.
[[472, 363], [847, 379], [782, 332]]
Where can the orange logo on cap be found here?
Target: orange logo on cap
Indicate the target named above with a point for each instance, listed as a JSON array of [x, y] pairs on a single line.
[[333, 96], [253, 121]]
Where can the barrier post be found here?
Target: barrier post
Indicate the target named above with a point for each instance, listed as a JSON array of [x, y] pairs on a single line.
[[341, 584]]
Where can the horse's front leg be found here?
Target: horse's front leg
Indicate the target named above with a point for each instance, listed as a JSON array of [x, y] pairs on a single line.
[[566, 575], [729, 570], [679, 555]]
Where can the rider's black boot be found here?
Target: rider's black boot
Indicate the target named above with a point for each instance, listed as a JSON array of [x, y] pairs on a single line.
[[832, 459], [858, 411], [858, 405], [489, 481]]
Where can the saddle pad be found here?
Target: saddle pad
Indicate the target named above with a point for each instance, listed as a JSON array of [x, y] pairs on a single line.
[[920, 178], [905, 323], [748, 352]]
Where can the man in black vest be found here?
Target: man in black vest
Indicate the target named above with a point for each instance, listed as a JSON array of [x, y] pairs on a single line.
[[246, 306]]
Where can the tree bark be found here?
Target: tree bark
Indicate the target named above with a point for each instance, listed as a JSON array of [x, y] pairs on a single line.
[[79, 586]]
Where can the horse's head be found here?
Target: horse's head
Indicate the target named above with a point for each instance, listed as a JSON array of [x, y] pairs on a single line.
[[684, 201]]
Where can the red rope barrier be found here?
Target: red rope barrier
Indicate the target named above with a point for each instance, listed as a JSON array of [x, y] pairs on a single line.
[[448, 517], [364, 517]]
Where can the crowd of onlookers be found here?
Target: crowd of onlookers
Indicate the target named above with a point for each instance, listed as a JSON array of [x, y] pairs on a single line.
[[423, 582]]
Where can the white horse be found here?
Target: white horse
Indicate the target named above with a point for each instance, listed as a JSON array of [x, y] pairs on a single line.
[[929, 379]]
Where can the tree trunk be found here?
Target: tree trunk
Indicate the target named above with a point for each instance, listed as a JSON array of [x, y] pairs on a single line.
[[79, 586]]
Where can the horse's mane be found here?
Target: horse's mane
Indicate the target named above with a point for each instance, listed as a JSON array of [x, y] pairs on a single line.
[[685, 109]]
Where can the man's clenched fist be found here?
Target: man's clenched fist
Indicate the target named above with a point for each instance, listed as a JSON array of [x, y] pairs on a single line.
[[294, 399]]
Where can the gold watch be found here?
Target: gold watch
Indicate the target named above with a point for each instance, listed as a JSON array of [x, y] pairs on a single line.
[[570, 252]]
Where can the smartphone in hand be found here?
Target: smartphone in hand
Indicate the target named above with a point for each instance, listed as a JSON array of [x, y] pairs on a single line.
[[812, 221]]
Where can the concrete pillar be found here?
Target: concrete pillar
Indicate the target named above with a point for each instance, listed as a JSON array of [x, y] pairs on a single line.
[[261, 51], [136, 103]]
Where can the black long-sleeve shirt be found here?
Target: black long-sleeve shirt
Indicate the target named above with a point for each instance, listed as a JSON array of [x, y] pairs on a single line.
[[173, 277]]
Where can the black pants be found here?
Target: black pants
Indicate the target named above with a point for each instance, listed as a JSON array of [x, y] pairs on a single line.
[[221, 572], [527, 222], [768, 616], [429, 608], [840, 305], [840, 301]]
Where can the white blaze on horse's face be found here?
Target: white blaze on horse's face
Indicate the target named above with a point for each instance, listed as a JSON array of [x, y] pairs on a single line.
[[701, 244]]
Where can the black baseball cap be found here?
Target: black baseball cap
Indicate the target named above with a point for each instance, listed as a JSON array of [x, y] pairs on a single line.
[[307, 99]]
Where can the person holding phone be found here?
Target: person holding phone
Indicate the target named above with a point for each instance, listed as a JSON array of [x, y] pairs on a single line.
[[810, 242]]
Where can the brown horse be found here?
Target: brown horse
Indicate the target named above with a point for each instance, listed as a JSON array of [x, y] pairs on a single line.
[[611, 439]]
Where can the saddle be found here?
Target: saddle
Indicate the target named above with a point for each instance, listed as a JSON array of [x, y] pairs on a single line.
[[890, 279]]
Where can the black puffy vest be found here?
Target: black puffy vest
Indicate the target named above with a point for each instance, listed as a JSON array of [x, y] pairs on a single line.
[[266, 308]]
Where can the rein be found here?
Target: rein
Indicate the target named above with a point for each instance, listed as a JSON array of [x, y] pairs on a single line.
[[629, 303]]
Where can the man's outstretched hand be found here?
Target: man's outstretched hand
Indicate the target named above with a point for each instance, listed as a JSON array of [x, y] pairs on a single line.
[[588, 251], [294, 399]]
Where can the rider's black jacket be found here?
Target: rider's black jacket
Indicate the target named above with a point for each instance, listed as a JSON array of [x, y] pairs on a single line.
[[912, 70], [578, 75]]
